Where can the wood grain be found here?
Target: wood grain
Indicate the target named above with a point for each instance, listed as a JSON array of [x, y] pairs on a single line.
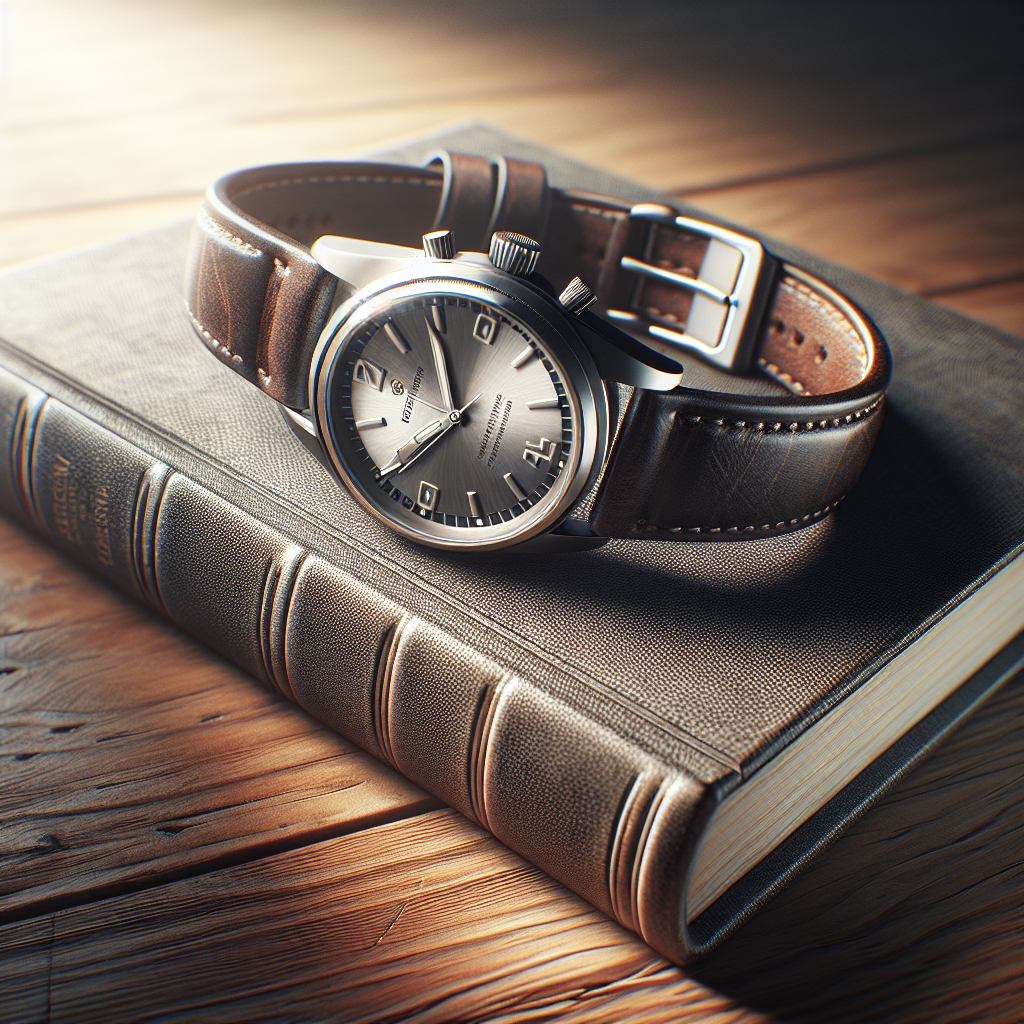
[[25, 969], [158, 98], [425, 920], [150, 102], [910, 221], [912, 915], [129, 754]]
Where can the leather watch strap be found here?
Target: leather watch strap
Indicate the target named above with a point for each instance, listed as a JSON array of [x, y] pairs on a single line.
[[699, 465], [691, 464], [255, 294]]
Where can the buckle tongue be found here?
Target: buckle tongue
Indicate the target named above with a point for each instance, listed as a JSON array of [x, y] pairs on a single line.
[[722, 291]]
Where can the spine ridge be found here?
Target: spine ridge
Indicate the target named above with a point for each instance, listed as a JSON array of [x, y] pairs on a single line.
[[637, 896], [623, 855], [278, 594], [23, 441], [383, 686], [482, 737], [582, 802], [145, 518]]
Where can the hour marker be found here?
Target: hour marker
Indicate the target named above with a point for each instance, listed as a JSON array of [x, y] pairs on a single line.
[[544, 403], [437, 314], [378, 422], [474, 505], [393, 333], [535, 451], [484, 328], [427, 497], [514, 486], [527, 353], [369, 373]]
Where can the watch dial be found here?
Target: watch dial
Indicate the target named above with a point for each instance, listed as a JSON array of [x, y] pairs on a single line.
[[454, 412]]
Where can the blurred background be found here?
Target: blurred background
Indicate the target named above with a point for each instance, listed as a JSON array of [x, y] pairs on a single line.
[[886, 136]]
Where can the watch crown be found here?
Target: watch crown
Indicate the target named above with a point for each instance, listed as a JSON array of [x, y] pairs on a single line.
[[577, 297], [439, 245], [514, 253]]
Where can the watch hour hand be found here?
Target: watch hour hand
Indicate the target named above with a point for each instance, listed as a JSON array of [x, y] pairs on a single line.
[[444, 382], [423, 439], [408, 451]]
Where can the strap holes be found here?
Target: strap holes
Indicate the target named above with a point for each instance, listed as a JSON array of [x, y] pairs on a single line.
[[820, 356]]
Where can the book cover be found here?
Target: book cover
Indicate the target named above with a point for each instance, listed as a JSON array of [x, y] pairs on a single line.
[[668, 729]]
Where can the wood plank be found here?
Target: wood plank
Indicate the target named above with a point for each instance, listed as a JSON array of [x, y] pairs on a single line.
[[926, 224], [999, 304], [115, 85], [912, 915], [25, 969], [422, 920], [42, 234], [131, 754], [155, 100]]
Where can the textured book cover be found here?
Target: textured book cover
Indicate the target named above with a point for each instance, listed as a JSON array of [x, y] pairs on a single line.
[[669, 729]]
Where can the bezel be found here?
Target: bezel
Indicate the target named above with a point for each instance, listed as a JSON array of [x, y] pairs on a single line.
[[517, 299]]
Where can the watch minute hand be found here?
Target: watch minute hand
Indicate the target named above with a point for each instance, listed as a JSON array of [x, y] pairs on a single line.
[[440, 366]]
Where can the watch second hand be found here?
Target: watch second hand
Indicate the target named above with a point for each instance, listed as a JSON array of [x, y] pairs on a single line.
[[399, 464], [429, 405]]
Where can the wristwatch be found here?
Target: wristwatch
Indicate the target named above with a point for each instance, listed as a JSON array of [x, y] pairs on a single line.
[[433, 334]]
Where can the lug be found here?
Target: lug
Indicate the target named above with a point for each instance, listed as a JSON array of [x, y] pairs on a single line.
[[358, 262], [623, 359]]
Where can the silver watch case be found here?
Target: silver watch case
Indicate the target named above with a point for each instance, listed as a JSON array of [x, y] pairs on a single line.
[[591, 398]]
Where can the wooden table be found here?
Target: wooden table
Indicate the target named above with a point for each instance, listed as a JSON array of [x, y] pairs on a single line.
[[178, 844]]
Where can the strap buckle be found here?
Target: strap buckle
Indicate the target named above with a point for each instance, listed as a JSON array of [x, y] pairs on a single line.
[[723, 291]]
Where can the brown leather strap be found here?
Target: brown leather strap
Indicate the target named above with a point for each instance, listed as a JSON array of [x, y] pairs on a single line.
[[522, 200], [256, 296], [467, 198], [699, 465], [693, 464]]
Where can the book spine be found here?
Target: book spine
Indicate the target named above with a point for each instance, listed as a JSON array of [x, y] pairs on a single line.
[[588, 807]]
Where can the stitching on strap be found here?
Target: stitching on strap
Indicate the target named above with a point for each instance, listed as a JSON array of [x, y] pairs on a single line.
[[218, 229], [763, 528], [596, 211], [826, 308], [780, 375], [362, 179], [774, 427], [217, 346]]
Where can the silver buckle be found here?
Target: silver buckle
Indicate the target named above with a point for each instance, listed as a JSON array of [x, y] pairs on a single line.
[[723, 291]]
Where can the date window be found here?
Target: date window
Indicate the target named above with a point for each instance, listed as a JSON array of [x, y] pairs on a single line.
[[484, 328]]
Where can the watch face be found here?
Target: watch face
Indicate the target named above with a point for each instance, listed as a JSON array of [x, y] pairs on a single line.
[[453, 412]]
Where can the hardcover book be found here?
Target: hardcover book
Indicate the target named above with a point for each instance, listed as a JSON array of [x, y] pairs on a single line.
[[669, 729]]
